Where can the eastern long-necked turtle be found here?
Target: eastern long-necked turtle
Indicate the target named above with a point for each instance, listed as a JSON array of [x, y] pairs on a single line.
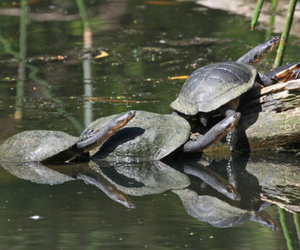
[[151, 136], [56, 146], [218, 87]]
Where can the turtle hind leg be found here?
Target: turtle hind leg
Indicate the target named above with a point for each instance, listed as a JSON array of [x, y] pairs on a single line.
[[290, 72], [295, 74], [213, 135]]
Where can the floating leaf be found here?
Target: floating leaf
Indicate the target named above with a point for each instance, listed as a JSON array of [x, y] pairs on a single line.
[[179, 77]]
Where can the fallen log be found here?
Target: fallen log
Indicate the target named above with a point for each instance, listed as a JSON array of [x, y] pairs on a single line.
[[270, 119]]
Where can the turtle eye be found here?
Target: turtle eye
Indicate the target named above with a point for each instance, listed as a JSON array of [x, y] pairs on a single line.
[[131, 112]]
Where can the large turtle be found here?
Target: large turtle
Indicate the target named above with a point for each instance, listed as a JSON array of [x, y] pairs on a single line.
[[218, 87], [150, 136], [55, 146]]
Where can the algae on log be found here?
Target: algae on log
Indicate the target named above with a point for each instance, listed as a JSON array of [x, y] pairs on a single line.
[[270, 119]]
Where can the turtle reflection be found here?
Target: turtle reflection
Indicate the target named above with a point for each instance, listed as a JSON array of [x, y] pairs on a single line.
[[219, 213], [58, 174], [143, 178], [117, 181], [211, 198]]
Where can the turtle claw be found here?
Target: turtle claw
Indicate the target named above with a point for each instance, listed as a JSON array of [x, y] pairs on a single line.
[[296, 74], [288, 74]]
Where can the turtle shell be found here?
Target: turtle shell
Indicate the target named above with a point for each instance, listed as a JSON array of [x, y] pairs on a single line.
[[35, 145], [214, 85], [148, 136]]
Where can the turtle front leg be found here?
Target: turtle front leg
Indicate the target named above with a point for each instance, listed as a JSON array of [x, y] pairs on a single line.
[[265, 80], [213, 135]]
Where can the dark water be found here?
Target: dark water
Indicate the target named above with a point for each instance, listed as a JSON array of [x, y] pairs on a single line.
[[40, 90]]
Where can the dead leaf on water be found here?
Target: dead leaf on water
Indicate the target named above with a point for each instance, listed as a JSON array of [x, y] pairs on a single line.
[[102, 54], [179, 77]]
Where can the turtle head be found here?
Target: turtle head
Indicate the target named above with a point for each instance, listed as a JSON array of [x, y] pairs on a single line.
[[123, 119], [94, 138]]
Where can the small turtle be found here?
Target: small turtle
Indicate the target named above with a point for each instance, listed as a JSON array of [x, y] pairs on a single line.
[[55, 146]]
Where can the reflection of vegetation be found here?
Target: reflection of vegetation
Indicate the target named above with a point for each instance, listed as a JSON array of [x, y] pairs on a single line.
[[47, 92], [297, 225], [22, 56], [285, 229], [7, 47], [33, 74], [86, 64]]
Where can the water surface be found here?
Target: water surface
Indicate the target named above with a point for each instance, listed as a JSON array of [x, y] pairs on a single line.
[[51, 78]]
